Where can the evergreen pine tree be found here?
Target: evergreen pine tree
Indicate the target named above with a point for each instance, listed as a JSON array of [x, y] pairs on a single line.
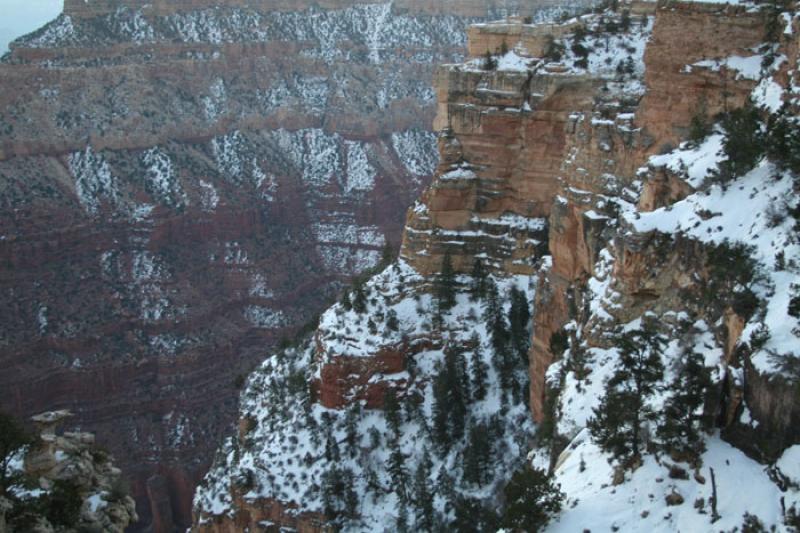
[[402, 518], [346, 303], [744, 142], [493, 316], [387, 255], [519, 317], [351, 430], [681, 430], [332, 449], [374, 438], [493, 305], [477, 285], [338, 496], [472, 517], [423, 495], [456, 398], [413, 406], [503, 361], [350, 495], [445, 485], [783, 141], [440, 431], [396, 467], [479, 375], [700, 126], [625, 20], [579, 49], [630, 66], [532, 500], [553, 49], [449, 400], [391, 320], [489, 62], [446, 284], [617, 421], [391, 408], [359, 299], [478, 455], [374, 486], [463, 375]]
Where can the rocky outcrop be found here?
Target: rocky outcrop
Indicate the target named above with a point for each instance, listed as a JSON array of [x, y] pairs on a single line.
[[266, 515], [469, 8], [71, 459], [345, 380], [504, 141], [515, 34]]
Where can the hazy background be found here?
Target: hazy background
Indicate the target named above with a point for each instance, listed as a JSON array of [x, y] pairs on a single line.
[[18, 17]]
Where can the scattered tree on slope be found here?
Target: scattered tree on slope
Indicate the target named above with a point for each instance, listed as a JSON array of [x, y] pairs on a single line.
[[617, 422]]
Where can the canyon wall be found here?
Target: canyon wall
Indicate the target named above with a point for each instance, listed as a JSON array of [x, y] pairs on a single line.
[[183, 185]]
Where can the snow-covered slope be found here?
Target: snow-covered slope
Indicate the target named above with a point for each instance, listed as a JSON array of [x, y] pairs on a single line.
[[294, 448]]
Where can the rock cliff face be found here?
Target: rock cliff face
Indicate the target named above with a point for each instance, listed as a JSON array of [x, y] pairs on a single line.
[[684, 77], [563, 172], [184, 184]]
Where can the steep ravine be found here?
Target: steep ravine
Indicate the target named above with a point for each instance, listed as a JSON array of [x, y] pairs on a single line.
[[569, 180]]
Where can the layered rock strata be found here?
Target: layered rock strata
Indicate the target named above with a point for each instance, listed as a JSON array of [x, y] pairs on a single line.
[[183, 184]]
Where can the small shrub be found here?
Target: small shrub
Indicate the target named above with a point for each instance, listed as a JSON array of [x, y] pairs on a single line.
[[794, 302], [783, 141], [759, 337], [700, 126], [744, 143], [676, 472], [666, 148], [120, 489], [63, 504], [752, 524], [780, 261], [489, 62], [553, 50]]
